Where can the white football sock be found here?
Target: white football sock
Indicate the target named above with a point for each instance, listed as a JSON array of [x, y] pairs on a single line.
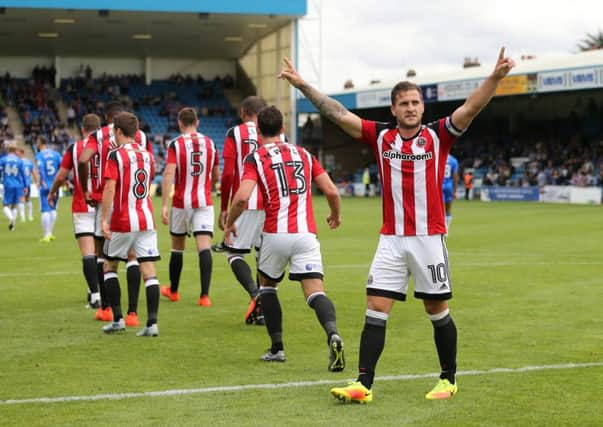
[[21, 208], [94, 297], [29, 209], [8, 213], [53, 219], [45, 224]]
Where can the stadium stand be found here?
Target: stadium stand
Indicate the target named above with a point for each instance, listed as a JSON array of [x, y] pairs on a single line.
[[6, 134], [34, 101], [157, 104], [556, 151]]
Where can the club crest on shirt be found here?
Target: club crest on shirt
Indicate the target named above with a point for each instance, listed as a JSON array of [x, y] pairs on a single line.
[[421, 141]]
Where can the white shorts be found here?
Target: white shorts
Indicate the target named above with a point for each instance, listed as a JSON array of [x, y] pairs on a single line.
[[300, 250], [144, 244], [84, 223], [249, 230], [98, 228], [199, 221], [399, 257]]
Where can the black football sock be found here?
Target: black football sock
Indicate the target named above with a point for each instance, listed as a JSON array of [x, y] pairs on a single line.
[[89, 268], [325, 312], [273, 316], [445, 336], [242, 272], [372, 342], [205, 267], [100, 263], [175, 269], [151, 286], [255, 292], [133, 278], [114, 292]]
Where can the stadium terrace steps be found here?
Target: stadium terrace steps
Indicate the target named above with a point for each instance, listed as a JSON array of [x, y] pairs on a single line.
[[234, 96], [15, 123], [62, 110]]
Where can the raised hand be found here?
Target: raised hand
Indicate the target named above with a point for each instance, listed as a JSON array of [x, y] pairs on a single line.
[[503, 65], [290, 74]]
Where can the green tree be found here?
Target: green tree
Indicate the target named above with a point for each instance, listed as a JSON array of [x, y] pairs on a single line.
[[591, 42]]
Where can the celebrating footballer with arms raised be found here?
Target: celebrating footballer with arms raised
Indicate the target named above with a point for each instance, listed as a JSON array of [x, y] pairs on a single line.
[[411, 158]]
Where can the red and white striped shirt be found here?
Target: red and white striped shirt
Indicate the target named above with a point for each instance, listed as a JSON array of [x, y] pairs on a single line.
[[69, 162], [101, 143], [284, 174], [411, 172], [195, 157], [240, 141], [132, 168]]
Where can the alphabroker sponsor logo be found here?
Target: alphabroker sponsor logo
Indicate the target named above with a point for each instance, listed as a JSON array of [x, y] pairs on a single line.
[[396, 155]]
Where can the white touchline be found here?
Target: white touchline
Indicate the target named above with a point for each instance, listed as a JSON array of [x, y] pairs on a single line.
[[403, 377], [76, 273]]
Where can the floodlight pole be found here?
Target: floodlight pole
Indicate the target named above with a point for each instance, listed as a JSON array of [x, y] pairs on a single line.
[[292, 90], [148, 77], [310, 56], [58, 72], [319, 11]]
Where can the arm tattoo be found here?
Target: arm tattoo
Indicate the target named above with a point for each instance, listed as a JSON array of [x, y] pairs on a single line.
[[328, 107]]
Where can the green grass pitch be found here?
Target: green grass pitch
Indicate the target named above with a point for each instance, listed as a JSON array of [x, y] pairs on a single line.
[[527, 301]]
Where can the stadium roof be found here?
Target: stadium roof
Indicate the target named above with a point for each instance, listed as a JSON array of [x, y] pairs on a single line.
[[184, 28], [275, 7], [535, 65], [559, 73]]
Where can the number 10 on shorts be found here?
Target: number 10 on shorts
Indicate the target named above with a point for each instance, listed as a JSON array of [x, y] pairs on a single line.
[[439, 273]]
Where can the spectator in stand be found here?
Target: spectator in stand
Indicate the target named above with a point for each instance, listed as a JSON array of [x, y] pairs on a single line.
[[366, 181], [468, 179], [71, 116]]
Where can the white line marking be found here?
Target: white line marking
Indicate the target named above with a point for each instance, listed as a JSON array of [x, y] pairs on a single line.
[[235, 388], [41, 273], [74, 272], [515, 263], [477, 264]]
